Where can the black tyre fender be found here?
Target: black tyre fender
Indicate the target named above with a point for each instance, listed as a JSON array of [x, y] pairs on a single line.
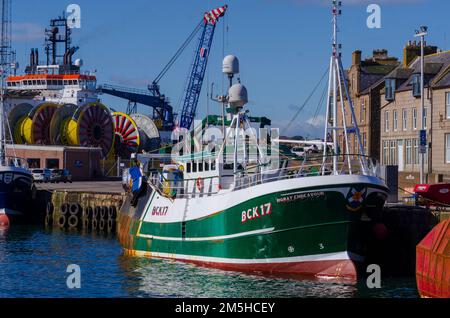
[[62, 221], [73, 221]]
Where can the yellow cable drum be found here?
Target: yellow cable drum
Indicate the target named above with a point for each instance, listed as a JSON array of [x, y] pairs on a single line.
[[16, 118], [91, 126], [60, 122], [36, 127]]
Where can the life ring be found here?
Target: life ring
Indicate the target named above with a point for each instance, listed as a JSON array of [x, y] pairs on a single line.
[[199, 184]]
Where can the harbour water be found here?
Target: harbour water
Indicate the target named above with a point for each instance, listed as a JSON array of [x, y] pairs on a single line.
[[34, 263]]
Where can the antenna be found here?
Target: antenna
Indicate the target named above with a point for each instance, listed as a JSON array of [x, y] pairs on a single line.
[[338, 87], [5, 68]]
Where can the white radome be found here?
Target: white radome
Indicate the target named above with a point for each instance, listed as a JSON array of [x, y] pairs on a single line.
[[237, 96], [230, 65]]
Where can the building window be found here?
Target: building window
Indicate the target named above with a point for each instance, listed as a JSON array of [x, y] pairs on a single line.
[[404, 119], [425, 117], [386, 120], [395, 120], [408, 152], [414, 118], [447, 148], [390, 89], [416, 151], [385, 152], [34, 163], [362, 114], [365, 142], [393, 152], [447, 104], [415, 82], [52, 163]]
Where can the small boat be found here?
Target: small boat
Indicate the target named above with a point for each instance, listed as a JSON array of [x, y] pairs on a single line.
[[433, 263], [436, 195], [16, 181]]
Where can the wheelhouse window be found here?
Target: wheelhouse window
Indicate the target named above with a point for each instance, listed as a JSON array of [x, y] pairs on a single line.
[[188, 167], [390, 89]]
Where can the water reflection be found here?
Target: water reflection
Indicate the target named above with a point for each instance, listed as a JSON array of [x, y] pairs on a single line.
[[160, 278], [34, 263]]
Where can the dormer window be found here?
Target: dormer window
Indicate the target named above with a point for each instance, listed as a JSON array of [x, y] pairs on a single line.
[[415, 82], [390, 89]]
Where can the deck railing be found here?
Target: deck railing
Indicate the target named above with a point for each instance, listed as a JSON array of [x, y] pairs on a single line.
[[308, 167]]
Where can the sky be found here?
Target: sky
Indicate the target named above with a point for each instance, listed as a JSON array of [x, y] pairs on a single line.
[[283, 46]]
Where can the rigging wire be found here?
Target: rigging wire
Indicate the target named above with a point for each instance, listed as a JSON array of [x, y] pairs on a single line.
[[320, 104], [305, 103], [178, 53]]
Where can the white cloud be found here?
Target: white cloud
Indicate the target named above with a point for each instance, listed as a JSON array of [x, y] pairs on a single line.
[[317, 122], [26, 31]]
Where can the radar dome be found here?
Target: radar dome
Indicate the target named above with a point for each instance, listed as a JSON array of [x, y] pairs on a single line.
[[230, 65], [237, 96]]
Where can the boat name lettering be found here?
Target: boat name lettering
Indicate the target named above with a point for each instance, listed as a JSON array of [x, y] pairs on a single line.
[[301, 196], [256, 212], [160, 210]]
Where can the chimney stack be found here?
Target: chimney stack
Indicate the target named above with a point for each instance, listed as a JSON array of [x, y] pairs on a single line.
[[412, 51], [356, 58]]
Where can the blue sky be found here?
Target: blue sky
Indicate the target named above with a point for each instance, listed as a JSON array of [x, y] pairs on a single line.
[[283, 45]]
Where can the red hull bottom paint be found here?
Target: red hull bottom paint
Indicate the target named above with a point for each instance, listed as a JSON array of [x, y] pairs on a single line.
[[4, 220], [329, 269]]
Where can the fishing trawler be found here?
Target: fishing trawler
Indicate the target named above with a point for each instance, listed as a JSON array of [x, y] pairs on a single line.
[[221, 207]]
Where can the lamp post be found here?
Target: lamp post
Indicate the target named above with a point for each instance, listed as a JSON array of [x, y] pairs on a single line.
[[423, 140]]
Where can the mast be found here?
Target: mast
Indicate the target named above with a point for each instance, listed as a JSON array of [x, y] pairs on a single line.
[[338, 87], [5, 63]]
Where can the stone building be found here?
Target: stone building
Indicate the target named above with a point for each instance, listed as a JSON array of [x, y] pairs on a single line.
[[401, 120], [366, 80]]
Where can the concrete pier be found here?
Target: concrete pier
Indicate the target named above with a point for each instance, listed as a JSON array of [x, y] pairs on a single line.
[[80, 205]]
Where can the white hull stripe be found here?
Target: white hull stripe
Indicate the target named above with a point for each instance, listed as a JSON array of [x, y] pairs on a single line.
[[342, 256], [211, 238], [10, 212]]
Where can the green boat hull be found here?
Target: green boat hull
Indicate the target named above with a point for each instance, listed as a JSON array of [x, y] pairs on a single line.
[[306, 231]]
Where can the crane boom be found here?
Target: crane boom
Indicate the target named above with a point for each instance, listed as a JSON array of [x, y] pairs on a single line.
[[199, 67]]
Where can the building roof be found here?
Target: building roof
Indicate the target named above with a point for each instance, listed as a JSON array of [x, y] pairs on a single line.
[[436, 66], [443, 80], [372, 75]]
